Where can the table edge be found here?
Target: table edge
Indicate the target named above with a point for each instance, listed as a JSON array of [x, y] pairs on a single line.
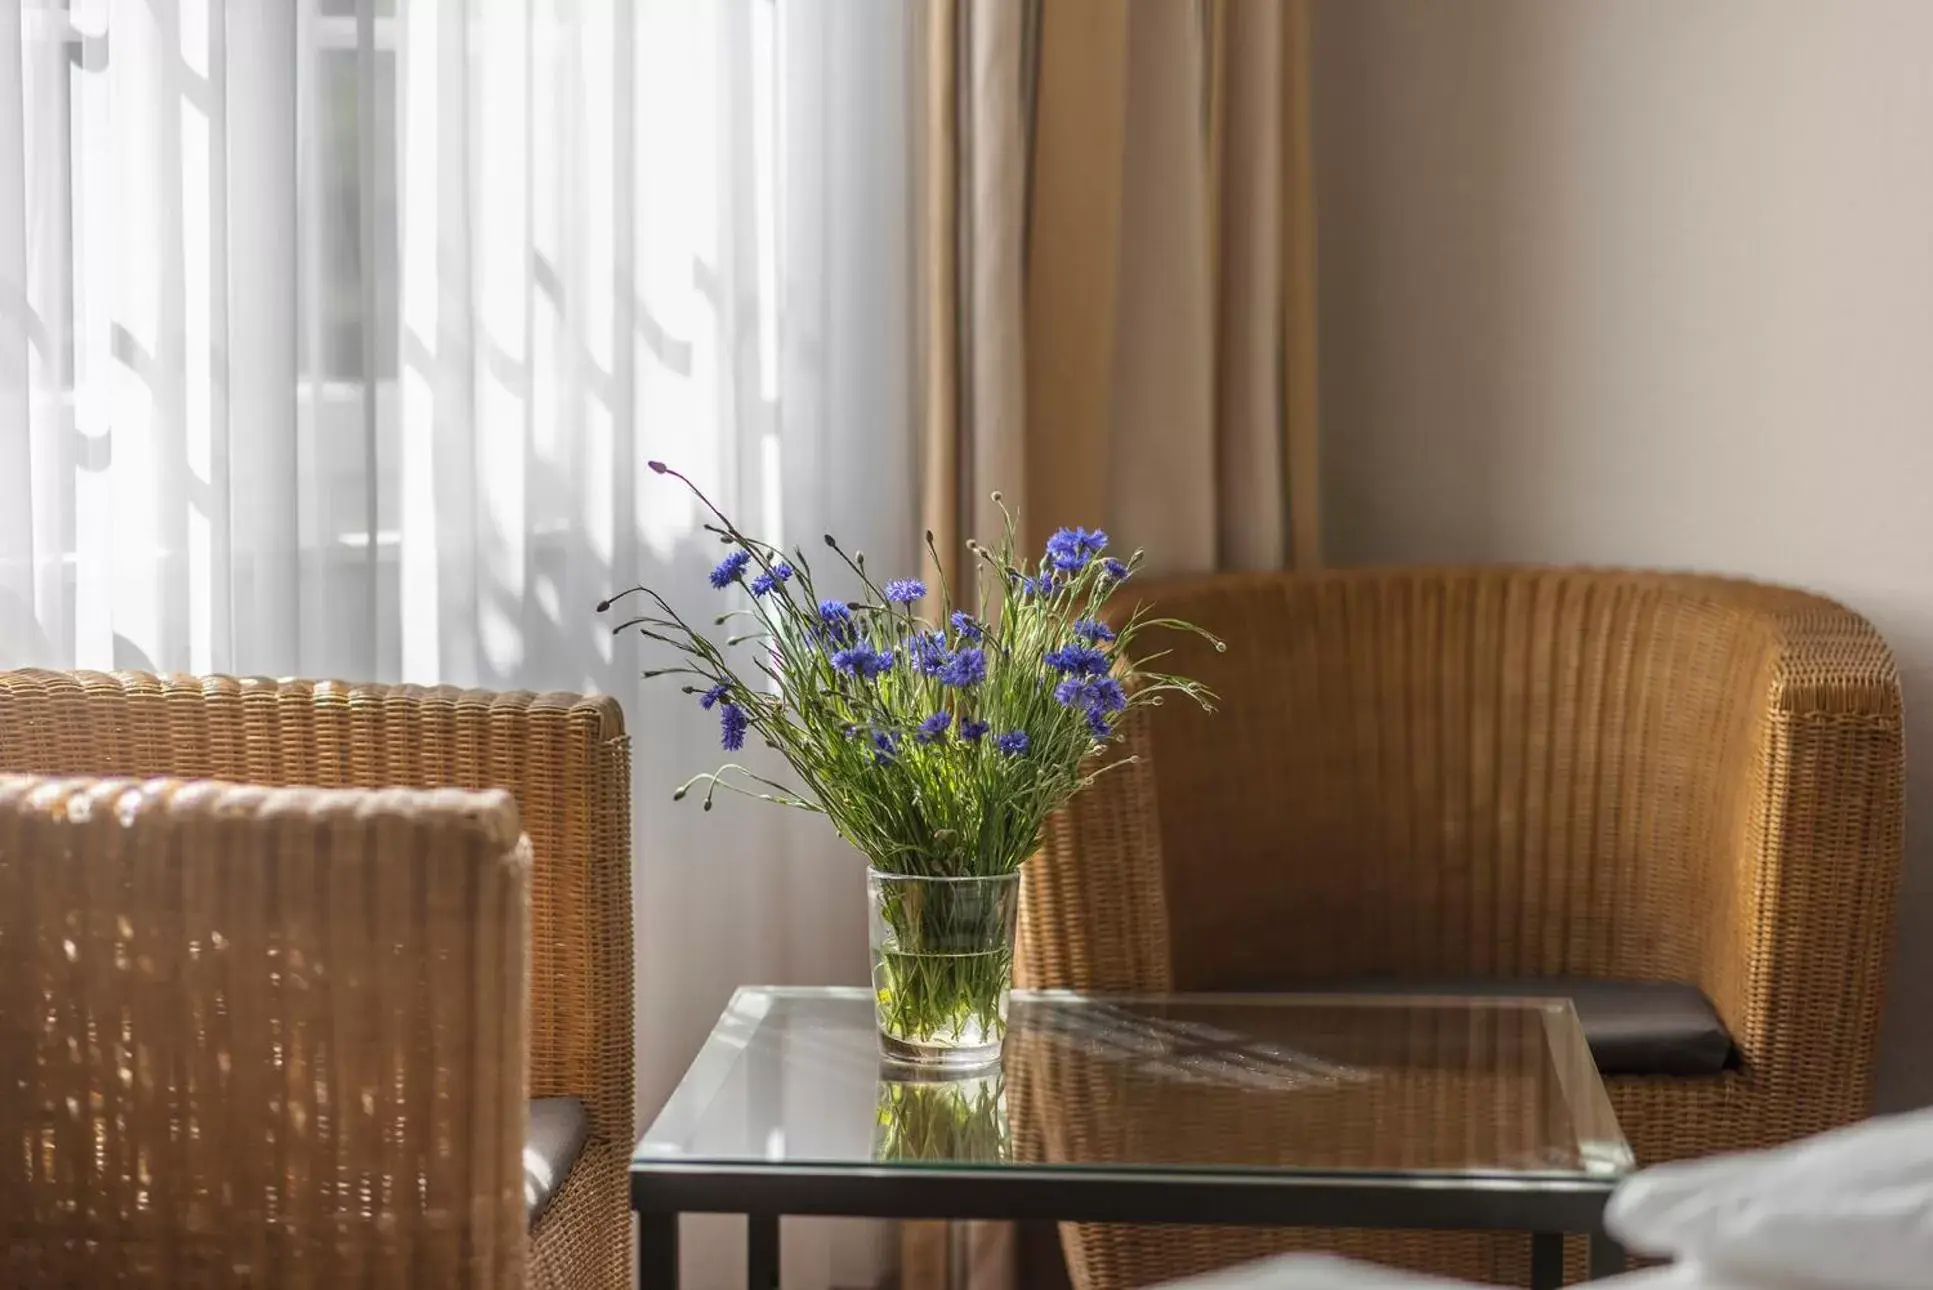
[[1077, 1195]]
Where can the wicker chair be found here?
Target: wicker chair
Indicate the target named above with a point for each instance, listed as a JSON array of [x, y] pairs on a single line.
[[1503, 773], [260, 1037], [566, 760]]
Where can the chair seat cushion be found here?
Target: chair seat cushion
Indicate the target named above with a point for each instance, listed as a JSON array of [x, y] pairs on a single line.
[[1633, 1027], [558, 1129]]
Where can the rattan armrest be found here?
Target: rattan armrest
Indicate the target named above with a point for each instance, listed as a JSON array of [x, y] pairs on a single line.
[[1806, 873]]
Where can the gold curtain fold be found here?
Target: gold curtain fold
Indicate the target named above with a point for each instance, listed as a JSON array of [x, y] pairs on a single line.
[[1117, 275], [1117, 305]]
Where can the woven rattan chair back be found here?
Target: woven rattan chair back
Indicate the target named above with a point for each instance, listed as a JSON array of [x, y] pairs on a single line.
[[565, 758], [260, 1037]]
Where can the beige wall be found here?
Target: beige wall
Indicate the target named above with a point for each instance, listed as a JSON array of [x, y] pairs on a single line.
[[1647, 282]]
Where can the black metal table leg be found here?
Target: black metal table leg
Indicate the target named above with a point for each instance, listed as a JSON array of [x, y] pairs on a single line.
[[657, 1251], [1546, 1260], [1607, 1256], [761, 1252]]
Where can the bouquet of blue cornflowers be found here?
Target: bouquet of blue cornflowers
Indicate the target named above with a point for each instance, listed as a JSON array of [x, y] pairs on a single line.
[[936, 746]]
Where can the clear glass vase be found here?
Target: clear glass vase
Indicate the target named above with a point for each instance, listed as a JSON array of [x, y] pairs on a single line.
[[942, 951]]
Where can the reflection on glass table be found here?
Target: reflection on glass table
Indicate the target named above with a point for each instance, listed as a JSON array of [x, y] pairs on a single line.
[[961, 1120]]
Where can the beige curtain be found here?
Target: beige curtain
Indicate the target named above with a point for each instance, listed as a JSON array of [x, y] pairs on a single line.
[[1117, 283], [1116, 310]]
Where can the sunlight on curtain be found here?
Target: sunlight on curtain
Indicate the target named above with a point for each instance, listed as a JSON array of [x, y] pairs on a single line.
[[335, 336]]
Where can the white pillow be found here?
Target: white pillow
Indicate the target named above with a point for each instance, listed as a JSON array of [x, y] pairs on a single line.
[[1851, 1208], [1687, 1276], [1312, 1272], [1326, 1272]]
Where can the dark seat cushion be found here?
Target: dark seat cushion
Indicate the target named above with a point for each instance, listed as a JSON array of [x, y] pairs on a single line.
[[558, 1127], [1633, 1027]]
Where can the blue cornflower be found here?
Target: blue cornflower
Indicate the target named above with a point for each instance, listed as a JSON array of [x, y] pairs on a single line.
[[732, 722], [1096, 697], [1077, 660], [885, 746], [764, 582], [1014, 743], [863, 661], [933, 729], [967, 625], [1096, 693], [904, 591], [1025, 586], [729, 569], [928, 652], [1069, 550], [1093, 632], [713, 695], [972, 730], [1105, 693], [1114, 569], [835, 623], [968, 667]]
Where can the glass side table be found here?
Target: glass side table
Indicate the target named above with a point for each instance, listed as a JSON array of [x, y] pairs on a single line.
[[1318, 1110]]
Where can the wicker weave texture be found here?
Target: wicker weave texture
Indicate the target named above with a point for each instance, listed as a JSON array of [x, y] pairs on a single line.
[[565, 758], [260, 1037], [1505, 772]]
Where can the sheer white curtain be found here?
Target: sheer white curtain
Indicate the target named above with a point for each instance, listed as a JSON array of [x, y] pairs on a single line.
[[335, 334]]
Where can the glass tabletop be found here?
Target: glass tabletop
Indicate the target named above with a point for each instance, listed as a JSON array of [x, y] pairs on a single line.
[[1432, 1087]]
